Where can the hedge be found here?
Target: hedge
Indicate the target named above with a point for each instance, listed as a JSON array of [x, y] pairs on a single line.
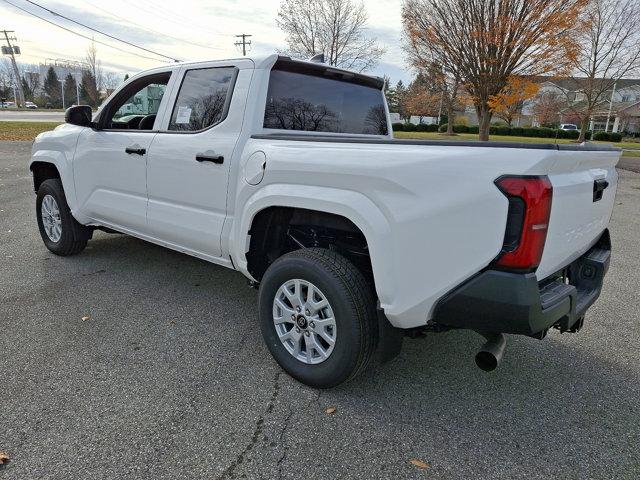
[[410, 127], [608, 136]]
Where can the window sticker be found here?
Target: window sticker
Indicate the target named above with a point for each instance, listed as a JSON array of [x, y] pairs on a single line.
[[184, 114]]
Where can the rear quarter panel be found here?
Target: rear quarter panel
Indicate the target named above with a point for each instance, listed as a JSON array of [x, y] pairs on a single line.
[[441, 217]]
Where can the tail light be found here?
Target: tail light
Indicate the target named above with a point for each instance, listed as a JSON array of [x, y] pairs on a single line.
[[527, 222]]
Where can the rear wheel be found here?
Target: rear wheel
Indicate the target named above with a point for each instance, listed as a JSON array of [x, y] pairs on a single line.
[[60, 232], [317, 315]]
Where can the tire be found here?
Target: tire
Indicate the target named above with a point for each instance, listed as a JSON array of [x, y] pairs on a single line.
[[72, 237], [351, 301]]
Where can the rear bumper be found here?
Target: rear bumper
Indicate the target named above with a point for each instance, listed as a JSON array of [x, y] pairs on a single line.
[[505, 302]]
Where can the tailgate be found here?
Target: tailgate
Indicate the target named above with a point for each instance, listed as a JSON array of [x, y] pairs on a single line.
[[584, 188]]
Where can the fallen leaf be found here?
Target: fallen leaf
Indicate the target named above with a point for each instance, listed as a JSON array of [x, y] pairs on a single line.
[[330, 410], [420, 464], [85, 318], [4, 458]]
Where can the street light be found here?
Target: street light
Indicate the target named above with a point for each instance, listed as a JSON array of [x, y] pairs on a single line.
[[62, 92], [77, 88]]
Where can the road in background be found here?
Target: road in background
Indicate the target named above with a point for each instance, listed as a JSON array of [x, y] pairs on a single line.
[[30, 116], [169, 377]]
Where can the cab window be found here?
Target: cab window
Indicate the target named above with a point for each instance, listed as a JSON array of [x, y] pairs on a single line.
[[203, 99], [137, 105]]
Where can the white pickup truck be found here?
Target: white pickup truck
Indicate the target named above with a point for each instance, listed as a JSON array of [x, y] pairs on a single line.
[[288, 172]]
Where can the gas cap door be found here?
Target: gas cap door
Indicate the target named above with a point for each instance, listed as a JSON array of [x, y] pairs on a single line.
[[254, 168]]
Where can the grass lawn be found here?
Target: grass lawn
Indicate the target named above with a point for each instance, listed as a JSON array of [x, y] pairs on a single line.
[[24, 130]]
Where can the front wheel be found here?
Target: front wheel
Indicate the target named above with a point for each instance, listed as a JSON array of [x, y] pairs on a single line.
[[60, 232], [317, 315]]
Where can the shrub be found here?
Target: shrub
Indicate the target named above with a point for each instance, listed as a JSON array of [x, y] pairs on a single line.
[[572, 134], [474, 129], [443, 127], [546, 132], [615, 137], [423, 127], [460, 129], [602, 136], [409, 127], [397, 127], [499, 130], [608, 136]]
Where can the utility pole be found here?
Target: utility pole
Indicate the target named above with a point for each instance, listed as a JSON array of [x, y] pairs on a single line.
[[11, 50], [244, 43]]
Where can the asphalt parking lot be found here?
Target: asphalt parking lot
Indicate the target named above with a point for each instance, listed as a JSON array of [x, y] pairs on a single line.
[[169, 378]]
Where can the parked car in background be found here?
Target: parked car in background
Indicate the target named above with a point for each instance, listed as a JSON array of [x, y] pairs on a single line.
[[30, 105], [288, 172], [568, 126], [7, 104]]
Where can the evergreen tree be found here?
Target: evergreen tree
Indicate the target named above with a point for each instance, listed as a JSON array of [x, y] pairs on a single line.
[[88, 90], [399, 98], [51, 88], [70, 92]]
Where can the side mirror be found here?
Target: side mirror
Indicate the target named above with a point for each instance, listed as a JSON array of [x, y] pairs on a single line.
[[79, 115]]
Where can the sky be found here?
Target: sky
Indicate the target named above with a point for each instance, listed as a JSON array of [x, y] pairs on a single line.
[[182, 29]]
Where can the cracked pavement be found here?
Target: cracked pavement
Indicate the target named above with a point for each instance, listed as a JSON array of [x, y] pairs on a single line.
[[169, 378]]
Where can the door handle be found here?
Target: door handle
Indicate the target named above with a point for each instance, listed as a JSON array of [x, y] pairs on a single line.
[[218, 159], [135, 151]]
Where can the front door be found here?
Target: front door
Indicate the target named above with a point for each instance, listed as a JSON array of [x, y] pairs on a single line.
[[189, 161], [110, 166]]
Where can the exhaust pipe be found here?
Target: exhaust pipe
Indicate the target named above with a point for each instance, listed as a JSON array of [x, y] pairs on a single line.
[[490, 354]]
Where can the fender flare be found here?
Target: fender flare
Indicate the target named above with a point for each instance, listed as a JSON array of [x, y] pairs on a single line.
[[63, 165], [349, 204]]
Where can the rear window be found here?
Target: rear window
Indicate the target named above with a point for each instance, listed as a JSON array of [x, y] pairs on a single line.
[[297, 101]]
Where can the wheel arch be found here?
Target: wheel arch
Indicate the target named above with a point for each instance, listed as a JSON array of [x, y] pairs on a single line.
[[42, 171], [47, 164], [353, 207]]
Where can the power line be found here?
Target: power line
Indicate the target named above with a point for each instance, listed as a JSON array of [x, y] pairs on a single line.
[[174, 18], [163, 34], [244, 43], [99, 31], [81, 35]]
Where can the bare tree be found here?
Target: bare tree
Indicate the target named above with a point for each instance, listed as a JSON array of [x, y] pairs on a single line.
[[609, 51], [336, 28], [94, 65], [111, 81], [484, 43], [547, 108]]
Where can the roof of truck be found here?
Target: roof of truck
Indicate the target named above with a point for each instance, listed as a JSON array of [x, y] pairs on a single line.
[[267, 61]]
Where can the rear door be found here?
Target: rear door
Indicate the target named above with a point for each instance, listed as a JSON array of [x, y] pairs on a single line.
[[189, 159]]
